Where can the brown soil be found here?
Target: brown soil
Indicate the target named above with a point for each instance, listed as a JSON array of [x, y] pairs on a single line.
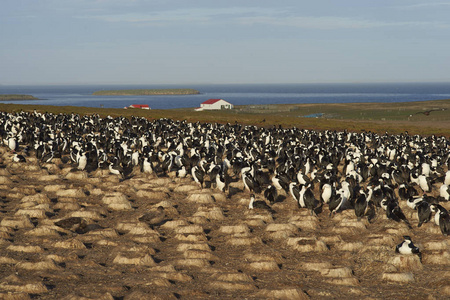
[[210, 247]]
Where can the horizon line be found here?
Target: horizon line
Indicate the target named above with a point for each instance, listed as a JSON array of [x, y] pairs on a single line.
[[229, 83]]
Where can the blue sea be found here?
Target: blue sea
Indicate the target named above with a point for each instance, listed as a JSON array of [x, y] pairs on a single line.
[[237, 94]]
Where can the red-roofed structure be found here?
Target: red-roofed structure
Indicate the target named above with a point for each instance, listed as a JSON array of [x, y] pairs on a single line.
[[214, 104], [211, 101], [141, 106]]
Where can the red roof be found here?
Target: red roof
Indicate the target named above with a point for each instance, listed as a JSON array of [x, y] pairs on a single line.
[[211, 101], [139, 105]]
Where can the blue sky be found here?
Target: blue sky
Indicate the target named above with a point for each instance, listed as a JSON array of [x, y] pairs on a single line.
[[182, 42]]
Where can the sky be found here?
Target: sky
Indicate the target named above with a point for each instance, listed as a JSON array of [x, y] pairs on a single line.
[[202, 41]]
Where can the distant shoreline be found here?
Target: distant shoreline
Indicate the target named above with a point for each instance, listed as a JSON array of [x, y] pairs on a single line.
[[17, 97], [146, 92]]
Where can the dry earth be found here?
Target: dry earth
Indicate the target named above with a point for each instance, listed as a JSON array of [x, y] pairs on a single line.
[[211, 247]]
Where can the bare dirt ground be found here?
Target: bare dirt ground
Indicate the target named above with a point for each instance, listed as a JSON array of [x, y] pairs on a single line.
[[209, 247]]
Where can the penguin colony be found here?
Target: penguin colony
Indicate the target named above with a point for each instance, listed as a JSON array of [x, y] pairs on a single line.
[[285, 184]]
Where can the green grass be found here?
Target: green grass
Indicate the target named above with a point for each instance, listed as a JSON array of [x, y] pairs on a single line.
[[393, 118], [143, 92], [12, 97]]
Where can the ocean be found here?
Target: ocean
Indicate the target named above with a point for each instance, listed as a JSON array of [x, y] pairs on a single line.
[[237, 94]]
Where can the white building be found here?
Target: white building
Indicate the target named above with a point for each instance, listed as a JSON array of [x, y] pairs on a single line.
[[214, 104]]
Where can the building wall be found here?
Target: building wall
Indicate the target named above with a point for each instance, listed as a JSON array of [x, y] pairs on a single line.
[[218, 105]]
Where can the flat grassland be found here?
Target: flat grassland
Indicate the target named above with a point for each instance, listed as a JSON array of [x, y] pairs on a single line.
[[145, 92], [424, 118]]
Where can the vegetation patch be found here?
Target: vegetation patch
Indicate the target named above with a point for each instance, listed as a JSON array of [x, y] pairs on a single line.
[[146, 92], [15, 97], [394, 118]]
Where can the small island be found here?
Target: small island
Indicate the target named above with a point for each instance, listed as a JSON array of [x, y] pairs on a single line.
[[146, 92], [12, 97]]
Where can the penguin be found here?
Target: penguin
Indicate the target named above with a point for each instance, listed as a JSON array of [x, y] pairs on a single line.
[[271, 194], [425, 183], [444, 192], [444, 222], [135, 158], [310, 201], [221, 183], [423, 212], [167, 163], [412, 202], [441, 218], [294, 190], [405, 191], [280, 182], [258, 204], [327, 192], [82, 161], [12, 143], [436, 208], [338, 201], [377, 195], [198, 175], [361, 205], [115, 168], [447, 177], [394, 212], [18, 158], [181, 172], [302, 178], [249, 182], [146, 166], [407, 247]]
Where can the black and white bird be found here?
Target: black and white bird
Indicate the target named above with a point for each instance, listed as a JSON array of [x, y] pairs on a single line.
[[444, 192], [18, 158], [12, 143], [250, 183], [361, 205], [425, 183], [82, 161], [441, 218], [406, 191], [297, 193], [258, 204], [271, 194], [423, 212], [115, 168], [412, 202], [326, 192], [181, 172], [147, 166], [337, 202], [394, 212], [310, 200], [302, 178], [198, 175], [221, 182], [407, 247]]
